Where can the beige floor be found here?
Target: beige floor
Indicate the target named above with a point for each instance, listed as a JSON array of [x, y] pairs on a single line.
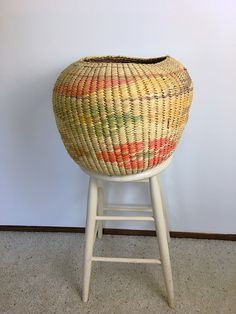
[[42, 272]]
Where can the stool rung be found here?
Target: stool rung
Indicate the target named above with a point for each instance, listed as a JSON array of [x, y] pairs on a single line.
[[126, 260], [124, 218], [131, 208]]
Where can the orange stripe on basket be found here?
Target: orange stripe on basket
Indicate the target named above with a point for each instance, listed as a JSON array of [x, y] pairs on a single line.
[[88, 85], [122, 153]]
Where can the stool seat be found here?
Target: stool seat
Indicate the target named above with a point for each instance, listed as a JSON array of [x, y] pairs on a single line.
[[133, 177]]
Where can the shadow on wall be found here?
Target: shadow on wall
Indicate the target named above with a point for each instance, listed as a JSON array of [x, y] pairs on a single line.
[[41, 174]]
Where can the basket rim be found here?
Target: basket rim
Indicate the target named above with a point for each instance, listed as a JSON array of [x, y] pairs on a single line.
[[124, 60]]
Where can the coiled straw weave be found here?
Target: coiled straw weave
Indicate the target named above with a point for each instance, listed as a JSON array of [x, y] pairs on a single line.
[[120, 115]]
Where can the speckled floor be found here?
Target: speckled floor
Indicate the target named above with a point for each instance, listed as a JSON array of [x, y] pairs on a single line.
[[42, 273]]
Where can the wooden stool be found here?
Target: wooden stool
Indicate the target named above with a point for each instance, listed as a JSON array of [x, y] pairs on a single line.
[[95, 217]]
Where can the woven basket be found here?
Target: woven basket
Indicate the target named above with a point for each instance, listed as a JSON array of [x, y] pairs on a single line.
[[120, 115]]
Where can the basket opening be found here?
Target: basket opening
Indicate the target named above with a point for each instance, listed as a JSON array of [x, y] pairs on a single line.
[[120, 59]]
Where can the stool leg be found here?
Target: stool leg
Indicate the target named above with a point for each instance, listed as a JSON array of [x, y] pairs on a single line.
[[89, 235], [164, 207], [100, 210], [162, 238]]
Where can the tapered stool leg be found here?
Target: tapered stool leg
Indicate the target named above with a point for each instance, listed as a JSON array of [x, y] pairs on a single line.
[[162, 237], [100, 210], [164, 207], [89, 235]]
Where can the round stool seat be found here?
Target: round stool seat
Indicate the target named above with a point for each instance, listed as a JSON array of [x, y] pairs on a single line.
[[133, 177]]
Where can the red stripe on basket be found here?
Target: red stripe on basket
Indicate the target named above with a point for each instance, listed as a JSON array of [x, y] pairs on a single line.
[[85, 86], [122, 154], [89, 85]]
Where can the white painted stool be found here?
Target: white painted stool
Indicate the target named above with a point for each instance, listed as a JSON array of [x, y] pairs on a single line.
[[95, 217]]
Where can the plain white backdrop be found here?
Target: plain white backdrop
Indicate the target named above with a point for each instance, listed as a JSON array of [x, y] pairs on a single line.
[[40, 184]]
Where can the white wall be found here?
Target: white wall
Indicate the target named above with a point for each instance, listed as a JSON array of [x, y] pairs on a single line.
[[40, 184]]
